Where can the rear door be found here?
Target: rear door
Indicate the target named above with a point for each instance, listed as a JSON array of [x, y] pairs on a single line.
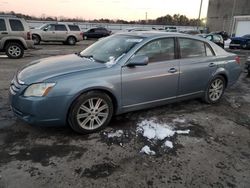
[[197, 64], [154, 82]]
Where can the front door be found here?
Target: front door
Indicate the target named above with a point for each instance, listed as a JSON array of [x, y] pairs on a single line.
[[154, 82]]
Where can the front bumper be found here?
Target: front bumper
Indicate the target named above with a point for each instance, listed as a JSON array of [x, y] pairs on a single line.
[[40, 110]]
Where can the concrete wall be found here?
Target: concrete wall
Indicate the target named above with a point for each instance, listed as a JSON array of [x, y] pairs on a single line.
[[221, 12]]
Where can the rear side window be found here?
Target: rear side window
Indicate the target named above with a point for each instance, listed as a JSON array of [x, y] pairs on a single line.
[[60, 28], [158, 50], [74, 28], [191, 48], [209, 51], [2, 25], [16, 25]]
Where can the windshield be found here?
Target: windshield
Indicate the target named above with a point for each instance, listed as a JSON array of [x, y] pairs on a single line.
[[43, 26], [111, 47], [246, 36]]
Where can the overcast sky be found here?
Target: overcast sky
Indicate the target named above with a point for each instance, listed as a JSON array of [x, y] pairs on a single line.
[[111, 9]]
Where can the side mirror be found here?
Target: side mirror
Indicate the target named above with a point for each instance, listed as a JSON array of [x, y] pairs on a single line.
[[140, 60], [45, 29]]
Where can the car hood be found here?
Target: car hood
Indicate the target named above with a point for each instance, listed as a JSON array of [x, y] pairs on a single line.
[[238, 38], [40, 70]]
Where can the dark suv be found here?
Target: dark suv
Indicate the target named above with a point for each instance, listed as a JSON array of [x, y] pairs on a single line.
[[15, 36], [97, 32]]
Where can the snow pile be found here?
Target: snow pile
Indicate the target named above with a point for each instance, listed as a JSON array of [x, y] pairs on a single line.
[[168, 144], [155, 131], [117, 133], [147, 150]]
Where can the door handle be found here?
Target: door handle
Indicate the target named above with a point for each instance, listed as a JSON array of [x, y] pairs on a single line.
[[4, 33], [172, 70], [212, 65]]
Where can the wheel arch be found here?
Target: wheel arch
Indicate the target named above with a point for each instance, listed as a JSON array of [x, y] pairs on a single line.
[[14, 41], [97, 89]]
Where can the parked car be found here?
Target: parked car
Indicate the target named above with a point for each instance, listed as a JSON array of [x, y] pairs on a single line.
[[57, 32], [190, 32], [217, 39], [135, 29], [118, 74], [171, 29], [97, 32], [224, 34], [240, 42], [248, 65], [15, 36]]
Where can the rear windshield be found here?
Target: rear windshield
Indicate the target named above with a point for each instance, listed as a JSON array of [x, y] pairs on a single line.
[[74, 28]]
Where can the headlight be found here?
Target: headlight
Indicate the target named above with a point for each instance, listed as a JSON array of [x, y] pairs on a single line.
[[38, 90]]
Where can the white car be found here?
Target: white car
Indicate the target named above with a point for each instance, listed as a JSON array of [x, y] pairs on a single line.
[[57, 32]]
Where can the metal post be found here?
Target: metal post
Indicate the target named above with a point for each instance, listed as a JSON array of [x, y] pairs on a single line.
[[199, 15], [232, 19]]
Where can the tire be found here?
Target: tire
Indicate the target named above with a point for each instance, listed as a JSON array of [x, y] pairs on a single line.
[[71, 41], [85, 37], [36, 39], [91, 112], [14, 50], [215, 90], [243, 46]]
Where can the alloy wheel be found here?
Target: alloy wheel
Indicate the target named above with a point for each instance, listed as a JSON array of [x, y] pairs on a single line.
[[14, 51], [216, 89], [92, 113]]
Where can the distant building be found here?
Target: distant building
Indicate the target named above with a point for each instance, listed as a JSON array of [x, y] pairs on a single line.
[[232, 16]]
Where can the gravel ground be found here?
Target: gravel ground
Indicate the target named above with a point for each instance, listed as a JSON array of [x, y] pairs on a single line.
[[215, 153]]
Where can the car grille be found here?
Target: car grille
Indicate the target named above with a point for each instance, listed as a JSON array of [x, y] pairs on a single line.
[[15, 86]]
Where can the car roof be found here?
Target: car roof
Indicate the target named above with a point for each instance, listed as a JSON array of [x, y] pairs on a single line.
[[155, 34]]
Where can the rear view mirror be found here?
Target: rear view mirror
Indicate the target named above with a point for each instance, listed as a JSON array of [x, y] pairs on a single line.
[[140, 60]]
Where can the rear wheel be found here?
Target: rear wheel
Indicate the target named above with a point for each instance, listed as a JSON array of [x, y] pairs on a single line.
[[215, 90], [91, 112], [85, 37], [14, 50], [71, 41]]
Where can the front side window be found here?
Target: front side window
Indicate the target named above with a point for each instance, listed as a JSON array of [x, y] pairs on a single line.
[[16, 25], [191, 48], [60, 28], [158, 50], [51, 27], [2, 25]]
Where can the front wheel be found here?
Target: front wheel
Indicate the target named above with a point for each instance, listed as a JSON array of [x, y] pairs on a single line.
[[91, 112], [14, 50], [71, 41], [215, 90]]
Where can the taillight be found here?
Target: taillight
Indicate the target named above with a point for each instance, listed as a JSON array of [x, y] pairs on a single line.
[[81, 33], [237, 59], [28, 36]]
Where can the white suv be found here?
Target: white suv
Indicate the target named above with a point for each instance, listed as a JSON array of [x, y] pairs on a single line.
[[15, 36], [57, 32]]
